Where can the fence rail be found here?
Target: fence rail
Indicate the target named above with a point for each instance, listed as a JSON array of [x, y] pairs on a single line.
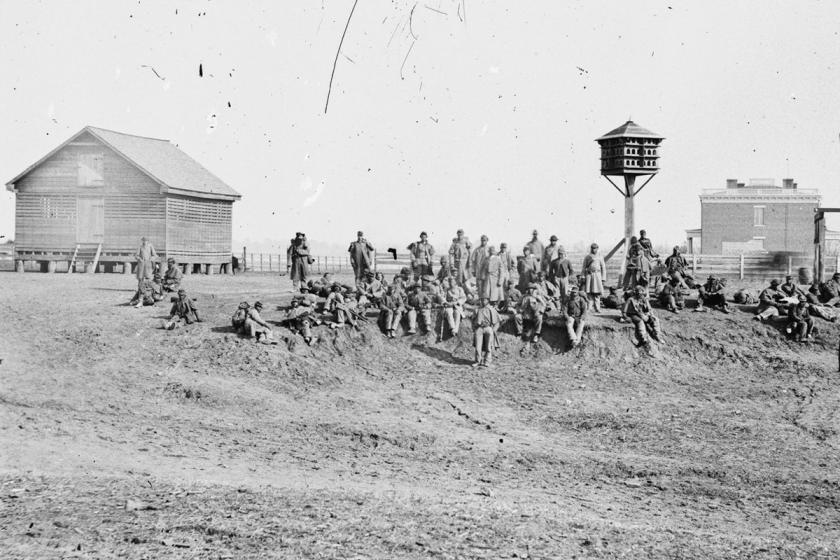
[[273, 262]]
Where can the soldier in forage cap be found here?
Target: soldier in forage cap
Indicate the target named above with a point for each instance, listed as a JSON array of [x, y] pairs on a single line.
[[421, 254], [549, 254], [298, 260], [183, 309], [459, 256], [536, 246], [639, 312], [361, 256], [768, 301], [172, 277]]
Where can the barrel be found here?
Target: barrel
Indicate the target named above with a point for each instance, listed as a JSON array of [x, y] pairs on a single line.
[[806, 275]]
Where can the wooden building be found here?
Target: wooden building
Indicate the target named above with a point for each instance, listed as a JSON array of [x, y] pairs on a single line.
[[90, 200]]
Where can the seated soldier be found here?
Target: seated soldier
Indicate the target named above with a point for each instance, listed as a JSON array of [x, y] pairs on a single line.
[[172, 277], [485, 324], [574, 312], [336, 304], [445, 271], [420, 303], [432, 287], [255, 325], [145, 294], [471, 289], [183, 309], [454, 299], [375, 289], [790, 289], [237, 321], [639, 312], [676, 266], [800, 324], [549, 291], [712, 294], [612, 301], [391, 310], [672, 297], [301, 317], [768, 302], [531, 309], [512, 298]]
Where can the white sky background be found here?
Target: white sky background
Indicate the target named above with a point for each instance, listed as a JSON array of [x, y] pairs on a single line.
[[489, 125]]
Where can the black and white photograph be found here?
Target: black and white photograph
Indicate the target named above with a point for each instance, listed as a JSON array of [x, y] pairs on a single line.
[[450, 279]]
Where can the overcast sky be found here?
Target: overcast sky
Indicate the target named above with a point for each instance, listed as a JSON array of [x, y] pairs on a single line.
[[479, 114]]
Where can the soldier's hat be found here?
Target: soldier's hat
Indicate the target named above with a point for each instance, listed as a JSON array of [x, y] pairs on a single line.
[[561, 249], [502, 245], [258, 305], [485, 238], [244, 305], [802, 298], [422, 233], [574, 288], [640, 290], [774, 282], [553, 238], [360, 232], [836, 275], [532, 286], [170, 260], [182, 291], [460, 231], [788, 277]]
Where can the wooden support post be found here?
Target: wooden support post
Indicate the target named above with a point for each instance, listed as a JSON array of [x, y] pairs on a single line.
[[837, 263], [741, 267], [269, 262], [126, 268], [50, 267], [211, 270], [188, 269], [244, 259], [19, 266], [789, 264], [694, 265], [225, 268]]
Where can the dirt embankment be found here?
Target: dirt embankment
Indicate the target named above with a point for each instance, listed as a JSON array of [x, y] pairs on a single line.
[[121, 439]]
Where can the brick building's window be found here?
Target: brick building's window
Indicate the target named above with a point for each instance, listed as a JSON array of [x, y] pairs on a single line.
[[758, 215]]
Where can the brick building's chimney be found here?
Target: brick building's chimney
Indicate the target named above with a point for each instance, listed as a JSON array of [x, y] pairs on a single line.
[[732, 183]]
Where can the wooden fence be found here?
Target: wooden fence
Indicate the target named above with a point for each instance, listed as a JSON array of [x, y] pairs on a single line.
[[271, 262], [745, 266]]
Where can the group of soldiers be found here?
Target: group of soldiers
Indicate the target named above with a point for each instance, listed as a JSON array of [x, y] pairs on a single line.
[[152, 287], [799, 306]]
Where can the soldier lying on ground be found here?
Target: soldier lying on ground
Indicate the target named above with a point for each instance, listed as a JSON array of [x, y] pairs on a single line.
[[830, 291], [183, 309], [816, 306], [147, 294], [744, 297], [612, 300], [485, 324], [639, 312]]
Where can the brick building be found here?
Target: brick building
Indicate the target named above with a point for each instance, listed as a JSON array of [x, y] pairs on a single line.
[[759, 217]]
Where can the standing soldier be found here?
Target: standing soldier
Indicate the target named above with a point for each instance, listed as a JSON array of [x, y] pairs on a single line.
[[145, 259], [421, 253], [574, 311], [508, 262], [459, 256], [485, 323], [594, 275], [298, 260], [527, 267], [454, 299], [477, 261], [562, 272], [493, 277], [536, 246], [361, 252], [647, 246], [549, 254], [445, 272], [637, 266], [638, 310]]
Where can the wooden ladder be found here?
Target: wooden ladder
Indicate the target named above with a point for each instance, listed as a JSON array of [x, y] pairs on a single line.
[[73, 260], [96, 258]]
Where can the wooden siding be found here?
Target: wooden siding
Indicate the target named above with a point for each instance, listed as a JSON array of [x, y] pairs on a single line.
[[42, 222], [198, 230]]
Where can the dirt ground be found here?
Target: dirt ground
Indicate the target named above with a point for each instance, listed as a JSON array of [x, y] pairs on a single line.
[[123, 440]]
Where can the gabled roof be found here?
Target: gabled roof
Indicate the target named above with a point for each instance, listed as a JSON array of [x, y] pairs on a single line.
[[174, 170], [631, 130]]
